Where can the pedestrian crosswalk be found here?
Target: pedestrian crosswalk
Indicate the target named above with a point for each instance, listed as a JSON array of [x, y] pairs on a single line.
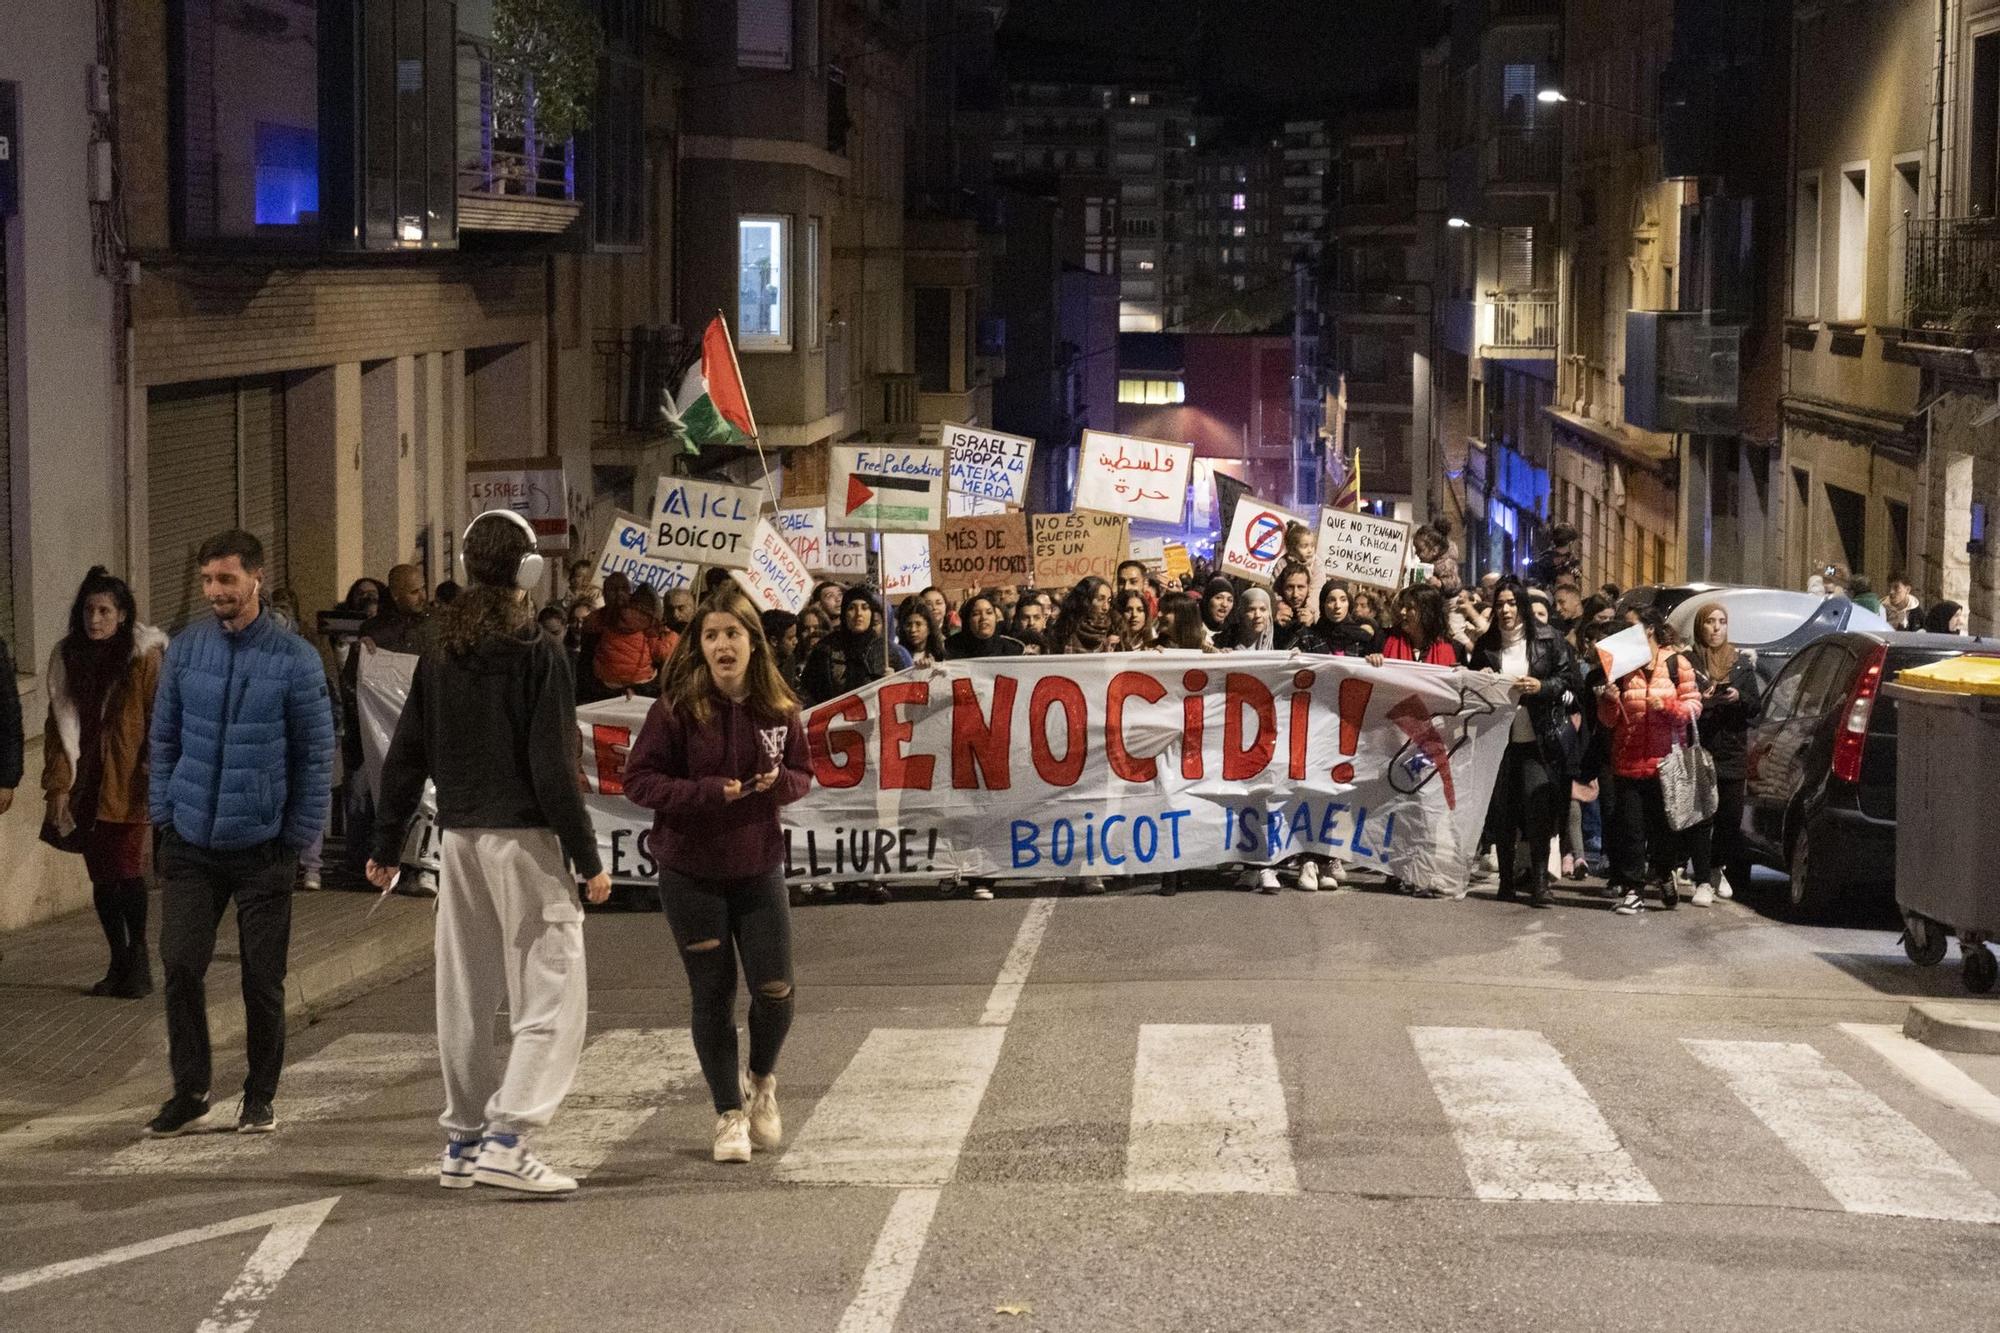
[[1215, 1109]]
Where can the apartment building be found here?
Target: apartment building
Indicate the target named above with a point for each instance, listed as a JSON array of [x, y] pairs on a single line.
[[1137, 133], [1240, 263], [1308, 150]]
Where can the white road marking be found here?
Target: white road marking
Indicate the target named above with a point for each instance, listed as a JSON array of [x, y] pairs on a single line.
[[290, 1231], [1869, 1158], [1929, 1070], [1020, 961], [899, 1113], [350, 1070], [1208, 1112], [1525, 1127], [893, 1264]]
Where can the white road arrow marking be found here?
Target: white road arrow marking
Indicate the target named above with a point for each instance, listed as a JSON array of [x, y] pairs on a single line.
[[289, 1231]]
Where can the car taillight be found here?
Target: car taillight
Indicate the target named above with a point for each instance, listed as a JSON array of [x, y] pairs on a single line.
[[1853, 737]]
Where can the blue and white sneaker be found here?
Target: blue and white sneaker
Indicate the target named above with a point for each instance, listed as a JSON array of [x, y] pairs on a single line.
[[455, 1168], [505, 1163]]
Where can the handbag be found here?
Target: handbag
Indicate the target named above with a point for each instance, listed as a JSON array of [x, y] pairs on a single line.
[[1687, 785]]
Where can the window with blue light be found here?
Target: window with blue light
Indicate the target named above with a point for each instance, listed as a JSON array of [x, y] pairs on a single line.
[[287, 175]]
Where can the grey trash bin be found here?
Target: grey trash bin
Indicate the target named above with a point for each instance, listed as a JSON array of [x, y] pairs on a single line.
[[1947, 842]]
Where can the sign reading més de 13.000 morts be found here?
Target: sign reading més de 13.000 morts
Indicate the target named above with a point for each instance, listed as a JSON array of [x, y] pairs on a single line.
[[885, 488]]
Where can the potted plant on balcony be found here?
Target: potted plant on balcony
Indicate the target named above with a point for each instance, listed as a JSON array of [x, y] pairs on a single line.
[[542, 86]]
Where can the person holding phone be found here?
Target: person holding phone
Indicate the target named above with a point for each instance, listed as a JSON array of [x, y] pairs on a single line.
[[719, 754]]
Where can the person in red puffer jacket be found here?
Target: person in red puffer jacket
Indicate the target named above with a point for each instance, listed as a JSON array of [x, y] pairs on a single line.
[[633, 645], [1646, 711], [718, 755]]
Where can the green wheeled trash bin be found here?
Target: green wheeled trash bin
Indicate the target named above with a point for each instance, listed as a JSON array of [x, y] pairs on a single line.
[[1947, 790]]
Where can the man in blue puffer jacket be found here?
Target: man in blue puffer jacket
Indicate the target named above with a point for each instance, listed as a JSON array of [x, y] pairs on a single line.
[[242, 754]]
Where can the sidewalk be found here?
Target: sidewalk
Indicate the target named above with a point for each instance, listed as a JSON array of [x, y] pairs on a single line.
[[59, 1044]]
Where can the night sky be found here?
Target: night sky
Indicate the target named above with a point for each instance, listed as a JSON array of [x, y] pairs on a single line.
[[1262, 57]]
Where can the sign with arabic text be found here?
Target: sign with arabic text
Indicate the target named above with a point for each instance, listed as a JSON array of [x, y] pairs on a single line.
[[707, 522], [1256, 543], [1361, 548], [1135, 478], [626, 552], [906, 564], [988, 465], [886, 488], [1069, 547]]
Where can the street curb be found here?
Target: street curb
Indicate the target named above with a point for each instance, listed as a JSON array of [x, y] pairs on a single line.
[[1961, 1028]]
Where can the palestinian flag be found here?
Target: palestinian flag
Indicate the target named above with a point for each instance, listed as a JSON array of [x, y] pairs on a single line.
[[711, 407]]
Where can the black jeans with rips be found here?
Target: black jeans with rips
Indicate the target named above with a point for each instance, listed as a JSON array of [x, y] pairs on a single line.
[[715, 922], [201, 883]]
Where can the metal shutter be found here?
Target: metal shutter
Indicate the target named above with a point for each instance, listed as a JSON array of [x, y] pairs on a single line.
[[6, 473], [191, 489], [1517, 259], [262, 414]]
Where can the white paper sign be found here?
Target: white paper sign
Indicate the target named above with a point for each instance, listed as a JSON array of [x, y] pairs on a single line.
[[906, 564], [1362, 548], [987, 465], [1624, 652], [776, 578], [537, 492], [846, 555], [970, 506], [1150, 552], [805, 529], [1134, 478], [626, 552], [885, 488], [1256, 543], [706, 522]]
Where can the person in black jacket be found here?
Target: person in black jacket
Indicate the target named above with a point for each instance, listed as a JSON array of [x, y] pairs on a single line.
[[1528, 799], [491, 719], [1336, 633], [1731, 702], [854, 654], [980, 636]]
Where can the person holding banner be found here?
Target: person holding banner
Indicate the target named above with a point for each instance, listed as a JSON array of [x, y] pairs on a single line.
[[980, 635], [1251, 629], [1530, 797], [917, 630], [1180, 626], [1646, 710], [491, 719], [1422, 633], [1336, 633], [1132, 615], [1293, 606], [853, 654], [719, 754], [1084, 624], [1218, 602]]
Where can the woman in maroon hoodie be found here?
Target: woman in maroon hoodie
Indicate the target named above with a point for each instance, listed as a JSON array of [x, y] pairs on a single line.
[[719, 753]]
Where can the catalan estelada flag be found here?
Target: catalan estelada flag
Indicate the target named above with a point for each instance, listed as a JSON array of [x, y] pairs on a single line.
[[1349, 494]]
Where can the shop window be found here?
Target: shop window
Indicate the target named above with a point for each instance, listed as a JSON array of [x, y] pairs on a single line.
[[246, 123]]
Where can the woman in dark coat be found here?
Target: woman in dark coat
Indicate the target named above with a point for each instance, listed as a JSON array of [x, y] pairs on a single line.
[[1731, 702], [1532, 791]]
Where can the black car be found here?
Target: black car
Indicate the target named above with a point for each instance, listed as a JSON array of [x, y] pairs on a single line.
[[1819, 797]]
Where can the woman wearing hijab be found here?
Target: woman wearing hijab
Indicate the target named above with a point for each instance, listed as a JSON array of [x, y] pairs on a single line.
[[1945, 618], [1218, 600], [1084, 624], [1252, 628], [1337, 633]]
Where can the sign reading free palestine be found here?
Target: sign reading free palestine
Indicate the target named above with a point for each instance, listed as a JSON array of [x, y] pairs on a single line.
[[885, 488]]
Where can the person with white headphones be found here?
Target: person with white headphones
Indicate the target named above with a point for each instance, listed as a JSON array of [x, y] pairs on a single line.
[[491, 719]]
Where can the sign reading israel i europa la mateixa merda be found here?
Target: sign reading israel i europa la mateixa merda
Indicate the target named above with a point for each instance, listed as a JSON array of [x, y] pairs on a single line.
[[886, 488]]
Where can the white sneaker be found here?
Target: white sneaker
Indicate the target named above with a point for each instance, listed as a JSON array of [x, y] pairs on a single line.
[[732, 1137], [1267, 880], [982, 893], [311, 882], [1488, 866], [1630, 904], [1723, 888], [456, 1167], [505, 1163], [1333, 876], [1704, 896], [760, 1106], [1309, 877]]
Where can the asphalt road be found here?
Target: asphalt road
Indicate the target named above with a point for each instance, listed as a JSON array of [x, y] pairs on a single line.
[[1211, 1111]]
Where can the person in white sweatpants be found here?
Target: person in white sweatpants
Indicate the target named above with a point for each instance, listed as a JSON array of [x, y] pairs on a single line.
[[491, 719]]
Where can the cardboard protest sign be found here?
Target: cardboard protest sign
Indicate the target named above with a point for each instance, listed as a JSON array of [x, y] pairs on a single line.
[[1273, 756], [1144, 479], [1069, 547], [987, 465], [968, 554], [886, 488], [1624, 652], [533, 488], [1256, 543], [846, 555], [626, 549], [805, 529], [1179, 563], [970, 506], [707, 522], [776, 578], [1361, 548], [906, 563], [1150, 552]]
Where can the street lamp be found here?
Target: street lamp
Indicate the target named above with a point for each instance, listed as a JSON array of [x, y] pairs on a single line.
[[1557, 97], [1456, 223], [1550, 96]]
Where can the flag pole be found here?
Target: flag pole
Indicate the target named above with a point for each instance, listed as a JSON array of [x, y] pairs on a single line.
[[756, 437]]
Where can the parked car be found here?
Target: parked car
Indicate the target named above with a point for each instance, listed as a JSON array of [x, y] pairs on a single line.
[[1819, 799], [1771, 623]]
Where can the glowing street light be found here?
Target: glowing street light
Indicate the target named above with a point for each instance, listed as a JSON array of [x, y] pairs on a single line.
[[1458, 224], [1551, 96]]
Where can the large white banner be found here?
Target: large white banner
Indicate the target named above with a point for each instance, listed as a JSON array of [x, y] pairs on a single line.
[[1112, 764]]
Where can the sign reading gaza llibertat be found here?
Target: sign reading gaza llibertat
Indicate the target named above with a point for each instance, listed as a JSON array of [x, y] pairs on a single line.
[[1119, 764]]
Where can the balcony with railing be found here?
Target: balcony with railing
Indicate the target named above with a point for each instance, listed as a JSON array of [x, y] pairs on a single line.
[[1951, 281], [510, 179], [1522, 324], [636, 367]]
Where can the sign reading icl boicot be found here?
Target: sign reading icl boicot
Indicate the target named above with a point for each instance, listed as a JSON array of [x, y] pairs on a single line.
[[532, 488], [776, 579], [625, 552], [706, 522], [1133, 478], [1256, 543], [885, 488], [987, 464], [1361, 548]]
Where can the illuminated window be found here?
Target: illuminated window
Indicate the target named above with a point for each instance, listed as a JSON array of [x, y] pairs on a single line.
[[1152, 392], [763, 283], [1239, 230], [1236, 203], [1145, 266]]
